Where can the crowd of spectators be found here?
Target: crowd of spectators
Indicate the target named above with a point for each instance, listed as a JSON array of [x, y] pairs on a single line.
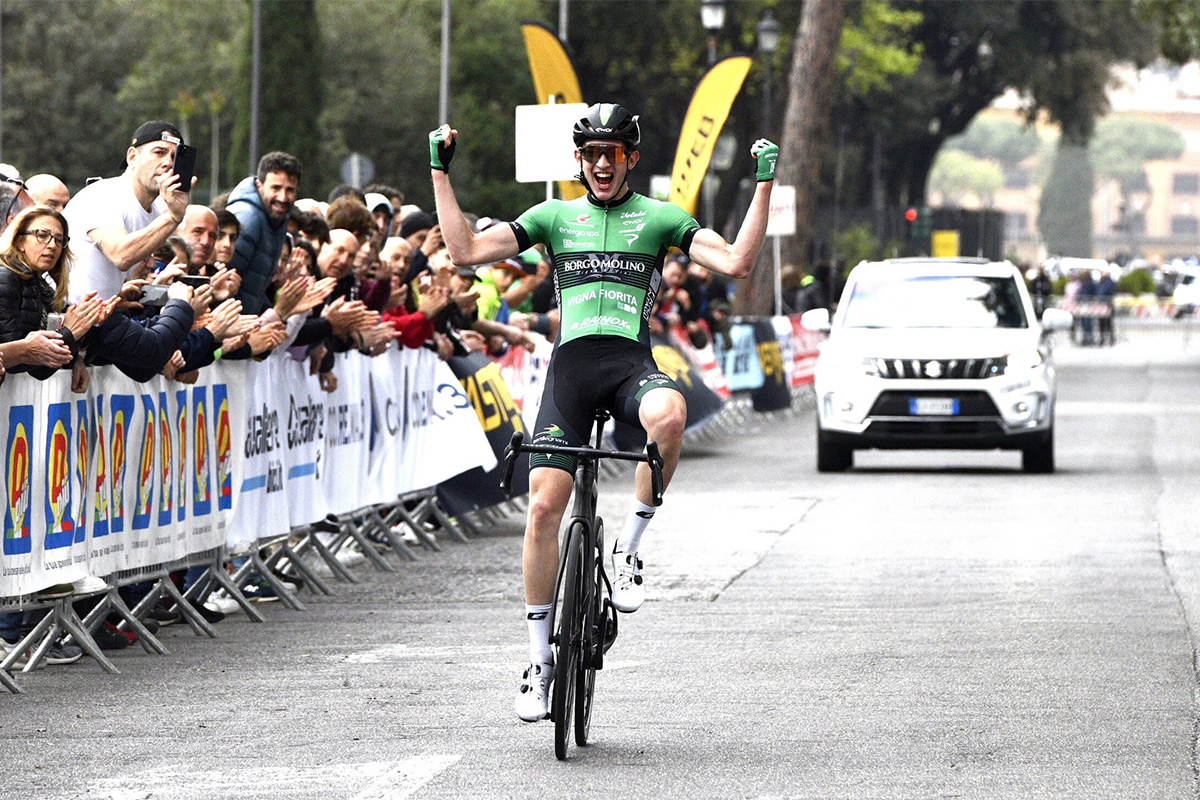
[[130, 272]]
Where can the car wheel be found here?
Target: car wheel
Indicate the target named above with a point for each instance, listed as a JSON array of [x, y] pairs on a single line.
[[832, 457], [1040, 457]]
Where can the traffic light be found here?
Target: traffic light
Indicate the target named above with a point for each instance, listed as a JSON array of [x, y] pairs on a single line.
[[920, 222]]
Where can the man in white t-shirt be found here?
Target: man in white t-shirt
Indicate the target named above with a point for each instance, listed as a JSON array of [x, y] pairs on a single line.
[[116, 223]]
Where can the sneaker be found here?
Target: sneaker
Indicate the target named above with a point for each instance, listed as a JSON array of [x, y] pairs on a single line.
[[533, 698], [259, 591], [22, 659], [63, 654], [89, 584], [109, 638], [350, 555], [210, 615], [222, 603], [163, 614], [627, 591]]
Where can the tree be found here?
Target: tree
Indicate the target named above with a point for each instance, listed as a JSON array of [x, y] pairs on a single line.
[[291, 93], [1065, 222], [1004, 141], [810, 100], [956, 174], [1123, 144]]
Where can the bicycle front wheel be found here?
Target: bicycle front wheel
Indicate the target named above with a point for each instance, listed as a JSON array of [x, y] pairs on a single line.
[[570, 643], [593, 640]]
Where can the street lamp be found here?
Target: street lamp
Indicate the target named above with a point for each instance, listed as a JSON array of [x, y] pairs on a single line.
[[768, 29], [712, 17]]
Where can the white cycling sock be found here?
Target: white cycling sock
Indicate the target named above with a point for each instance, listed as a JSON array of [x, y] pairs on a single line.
[[635, 525], [538, 620]]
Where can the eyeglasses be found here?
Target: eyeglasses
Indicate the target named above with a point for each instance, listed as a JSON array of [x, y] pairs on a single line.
[[591, 153], [44, 236]]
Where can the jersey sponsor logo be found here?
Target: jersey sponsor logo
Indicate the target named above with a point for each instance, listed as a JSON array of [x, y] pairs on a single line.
[[582, 219], [578, 232], [602, 264], [624, 300], [602, 320], [630, 237], [632, 214], [553, 430]]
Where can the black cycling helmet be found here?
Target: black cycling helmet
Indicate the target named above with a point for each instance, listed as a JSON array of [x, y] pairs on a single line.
[[608, 121]]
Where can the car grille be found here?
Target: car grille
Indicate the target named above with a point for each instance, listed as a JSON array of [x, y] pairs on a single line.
[[939, 368], [970, 404], [936, 428]]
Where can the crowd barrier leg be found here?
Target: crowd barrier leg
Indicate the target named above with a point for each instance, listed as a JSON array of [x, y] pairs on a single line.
[[356, 532], [443, 518], [394, 540], [112, 600], [329, 555], [292, 555], [217, 574], [255, 562], [463, 521], [6, 680], [400, 513], [164, 585], [62, 617]]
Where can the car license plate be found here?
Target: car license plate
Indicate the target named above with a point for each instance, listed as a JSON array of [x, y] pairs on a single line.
[[933, 406]]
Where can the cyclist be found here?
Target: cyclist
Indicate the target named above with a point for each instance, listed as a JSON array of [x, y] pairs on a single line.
[[607, 250]]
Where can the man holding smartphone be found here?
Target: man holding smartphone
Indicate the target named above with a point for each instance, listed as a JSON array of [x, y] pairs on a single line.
[[116, 223]]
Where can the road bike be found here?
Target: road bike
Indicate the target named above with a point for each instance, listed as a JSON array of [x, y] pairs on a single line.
[[584, 613]]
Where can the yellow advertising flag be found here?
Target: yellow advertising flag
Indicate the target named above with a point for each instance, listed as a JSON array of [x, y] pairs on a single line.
[[705, 118], [553, 77]]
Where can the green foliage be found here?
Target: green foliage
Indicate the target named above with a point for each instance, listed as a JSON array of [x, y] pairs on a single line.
[[1065, 213], [291, 94], [956, 174], [877, 46], [855, 243], [1123, 144], [1137, 281], [1178, 26], [1002, 140]]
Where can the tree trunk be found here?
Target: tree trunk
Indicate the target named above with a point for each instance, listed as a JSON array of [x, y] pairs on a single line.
[[812, 84]]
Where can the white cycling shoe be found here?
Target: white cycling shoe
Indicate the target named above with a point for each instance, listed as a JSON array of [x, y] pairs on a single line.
[[533, 698], [628, 589]]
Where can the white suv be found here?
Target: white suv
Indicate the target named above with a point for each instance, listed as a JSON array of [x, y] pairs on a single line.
[[935, 353]]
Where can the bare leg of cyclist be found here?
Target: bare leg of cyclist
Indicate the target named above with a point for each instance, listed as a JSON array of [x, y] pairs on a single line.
[[663, 414], [549, 492]]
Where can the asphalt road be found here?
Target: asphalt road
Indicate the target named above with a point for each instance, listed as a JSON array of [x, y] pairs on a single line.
[[925, 625]]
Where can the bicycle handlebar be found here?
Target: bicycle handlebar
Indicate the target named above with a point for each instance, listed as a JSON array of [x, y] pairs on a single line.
[[516, 446]]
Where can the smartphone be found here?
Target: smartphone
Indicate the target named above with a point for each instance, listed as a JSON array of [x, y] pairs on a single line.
[[185, 165], [195, 281], [153, 294]]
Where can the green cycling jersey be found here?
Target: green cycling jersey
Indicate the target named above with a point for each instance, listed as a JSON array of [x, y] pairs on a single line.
[[607, 260]]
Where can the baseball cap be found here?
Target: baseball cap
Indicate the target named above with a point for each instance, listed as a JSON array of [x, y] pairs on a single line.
[[517, 267], [153, 131], [375, 200]]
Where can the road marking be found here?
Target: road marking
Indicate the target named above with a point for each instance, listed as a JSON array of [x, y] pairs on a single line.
[[389, 780], [1082, 408]]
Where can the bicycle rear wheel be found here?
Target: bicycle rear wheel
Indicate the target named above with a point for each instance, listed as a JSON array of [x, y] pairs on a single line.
[[569, 644]]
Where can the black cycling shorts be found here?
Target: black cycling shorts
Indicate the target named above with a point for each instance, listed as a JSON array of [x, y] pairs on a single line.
[[589, 373]]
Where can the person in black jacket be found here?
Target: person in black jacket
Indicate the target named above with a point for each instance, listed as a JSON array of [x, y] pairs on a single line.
[[33, 248]]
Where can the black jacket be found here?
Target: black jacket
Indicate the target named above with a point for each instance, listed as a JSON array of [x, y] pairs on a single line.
[[24, 304], [141, 349]]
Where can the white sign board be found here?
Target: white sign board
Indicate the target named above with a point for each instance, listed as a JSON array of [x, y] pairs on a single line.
[[781, 220], [544, 148]]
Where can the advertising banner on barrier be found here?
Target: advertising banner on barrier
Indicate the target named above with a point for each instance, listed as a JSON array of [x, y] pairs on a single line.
[[703, 358], [798, 348], [488, 394], [525, 375], [740, 362], [773, 394]]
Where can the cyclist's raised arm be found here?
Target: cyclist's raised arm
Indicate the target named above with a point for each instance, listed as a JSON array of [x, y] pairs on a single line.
[[710, 250], [466, 247]]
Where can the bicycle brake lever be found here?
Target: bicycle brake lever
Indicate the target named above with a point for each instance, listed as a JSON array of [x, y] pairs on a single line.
[[654, 458], [510, 461]]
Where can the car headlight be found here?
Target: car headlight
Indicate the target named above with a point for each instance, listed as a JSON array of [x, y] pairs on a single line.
[[871, 367], [1022, 360]]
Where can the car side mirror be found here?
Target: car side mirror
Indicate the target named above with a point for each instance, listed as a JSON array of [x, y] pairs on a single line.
[[815, 319], [1055, 319]]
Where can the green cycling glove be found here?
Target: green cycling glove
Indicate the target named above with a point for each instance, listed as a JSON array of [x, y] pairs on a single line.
[[766, 152], [440, 152]]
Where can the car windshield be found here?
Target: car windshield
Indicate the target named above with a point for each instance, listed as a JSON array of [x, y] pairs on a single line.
[[935, 301]]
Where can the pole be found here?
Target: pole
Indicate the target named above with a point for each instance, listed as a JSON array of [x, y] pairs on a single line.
[[255, 69], [778, 250], [766, 108], [444, 83], [562, 21]]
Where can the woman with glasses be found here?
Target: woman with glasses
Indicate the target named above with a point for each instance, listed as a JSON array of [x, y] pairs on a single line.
[[36, 336]]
